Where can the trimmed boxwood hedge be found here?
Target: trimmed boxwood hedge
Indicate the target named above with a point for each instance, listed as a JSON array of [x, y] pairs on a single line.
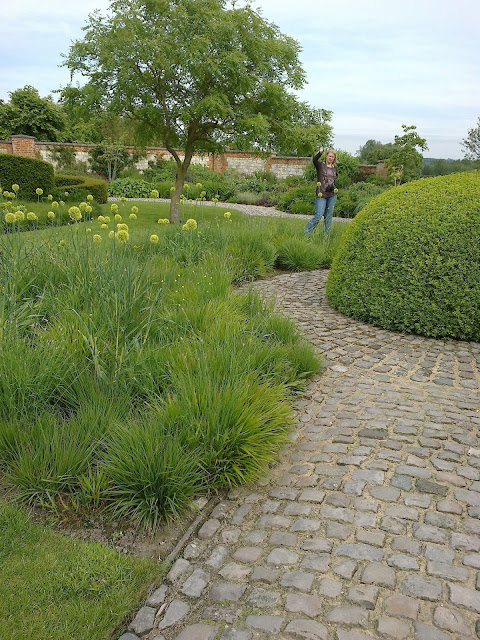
[[28, 173], [410, 260], [80, 186]]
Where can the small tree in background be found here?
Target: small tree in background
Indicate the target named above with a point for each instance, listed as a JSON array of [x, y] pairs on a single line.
[[29, 114], [406, 162], [471, 143], [198, 76]]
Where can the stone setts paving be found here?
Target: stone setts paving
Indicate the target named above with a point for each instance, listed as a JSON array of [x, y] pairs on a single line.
[[370, 525]]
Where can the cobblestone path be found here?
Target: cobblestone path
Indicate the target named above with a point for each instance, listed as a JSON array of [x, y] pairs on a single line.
[[370, 525]]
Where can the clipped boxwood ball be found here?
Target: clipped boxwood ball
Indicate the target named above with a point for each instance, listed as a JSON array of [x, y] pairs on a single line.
[[410, 261]]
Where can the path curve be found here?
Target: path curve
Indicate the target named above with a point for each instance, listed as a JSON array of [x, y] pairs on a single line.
[[370, 525]]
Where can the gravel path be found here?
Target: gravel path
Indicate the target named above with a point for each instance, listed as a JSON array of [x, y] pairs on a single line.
[[369, 526]]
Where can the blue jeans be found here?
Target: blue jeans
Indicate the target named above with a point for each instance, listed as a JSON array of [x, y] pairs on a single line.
[[323, 209]]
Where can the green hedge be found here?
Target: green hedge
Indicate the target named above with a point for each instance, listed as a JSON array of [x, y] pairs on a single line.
[[29, 173], [80, 186], [410, 260]]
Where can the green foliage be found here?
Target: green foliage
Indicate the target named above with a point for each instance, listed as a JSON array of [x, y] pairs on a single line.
[[351, 201], [29, 114], [109, 160], [406, 161], [442, 167], [290, 200], [410, 261], [373, 152], [80, 186], [471, 143], [28, 173], [297, 255]]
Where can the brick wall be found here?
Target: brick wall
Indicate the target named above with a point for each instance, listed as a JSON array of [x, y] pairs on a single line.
[[241, 161]]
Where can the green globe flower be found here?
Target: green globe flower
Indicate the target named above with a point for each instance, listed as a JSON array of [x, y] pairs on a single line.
[[190, 225], [132, 216], [89, 197], [227, 215], [134, 209], [153, 238], [122, 235], [51, 215], [75, 214], [55, 204], [50, 197], [121, 226], [15, 187], [31, 216], [39, 191], [154, 193], [10, 218], [97, 238]]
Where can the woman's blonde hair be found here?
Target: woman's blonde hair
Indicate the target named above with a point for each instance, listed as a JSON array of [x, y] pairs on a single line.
[[334, 153]]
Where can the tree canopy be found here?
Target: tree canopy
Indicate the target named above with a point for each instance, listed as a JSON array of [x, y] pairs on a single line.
[[29, 114], [195, 75], [406, 161], [471, 143], [374, 151]]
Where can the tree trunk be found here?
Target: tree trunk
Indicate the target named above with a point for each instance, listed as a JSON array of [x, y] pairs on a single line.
[[175, 200]]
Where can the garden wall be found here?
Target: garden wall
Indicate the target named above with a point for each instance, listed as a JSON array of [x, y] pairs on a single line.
[[242, 161]]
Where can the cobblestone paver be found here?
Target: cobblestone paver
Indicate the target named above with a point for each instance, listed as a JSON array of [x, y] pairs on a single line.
[[370, 526]]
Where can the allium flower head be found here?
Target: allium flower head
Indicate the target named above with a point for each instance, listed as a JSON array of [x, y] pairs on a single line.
[[107, 219], [103, 226], [88, 230], [114, 207], [227, 215], [19, 215], [123, 199], [55, 204], [122, 235], [62, 243], [121, 226], [97, 238], [199, 185], [10, 217], [101, 219], [75, 213], [153, 238], [132, 216], [190, 225], [31, 216], [134, 209], [39, 191], [118, 217], [50, 197], [83, 206], [163, 221], [154, 193], [89, 197], [62, 203], [51, 215], [15, 187], [111, 234]]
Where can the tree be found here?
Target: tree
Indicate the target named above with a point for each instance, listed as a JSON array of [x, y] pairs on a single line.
[[374, 151], [29, 114], [471, 143], [406, 162], [194, 75]]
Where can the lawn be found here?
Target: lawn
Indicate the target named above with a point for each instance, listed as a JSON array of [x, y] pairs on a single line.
[[53, 588]]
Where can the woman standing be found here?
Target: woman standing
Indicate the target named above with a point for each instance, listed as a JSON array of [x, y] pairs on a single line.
[[326, 193]]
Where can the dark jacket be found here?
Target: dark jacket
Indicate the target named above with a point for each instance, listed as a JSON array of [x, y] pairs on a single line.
[[321, 168]]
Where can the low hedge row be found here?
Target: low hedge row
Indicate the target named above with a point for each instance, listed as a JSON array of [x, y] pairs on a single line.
[[78, 187], [410, 260]]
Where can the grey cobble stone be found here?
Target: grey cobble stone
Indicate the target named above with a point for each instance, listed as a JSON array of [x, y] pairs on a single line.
[[372, 524], [198, 632], [143, 621]]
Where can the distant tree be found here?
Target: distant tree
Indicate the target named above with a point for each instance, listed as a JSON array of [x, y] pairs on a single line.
[[471, 143], [196, 76], [29, 114], [373, 151], [406, 162]]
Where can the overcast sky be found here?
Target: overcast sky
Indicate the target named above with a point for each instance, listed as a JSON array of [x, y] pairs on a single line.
[[376, 64]]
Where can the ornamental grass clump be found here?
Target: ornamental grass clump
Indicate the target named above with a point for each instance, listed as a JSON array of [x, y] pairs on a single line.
[[410, 260]]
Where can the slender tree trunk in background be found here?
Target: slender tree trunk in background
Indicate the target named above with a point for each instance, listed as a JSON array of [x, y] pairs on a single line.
[[175, 200]]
